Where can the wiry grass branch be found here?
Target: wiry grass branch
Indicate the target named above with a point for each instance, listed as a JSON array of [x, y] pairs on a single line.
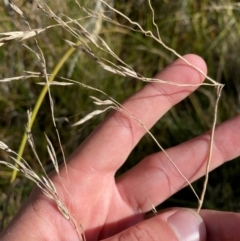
[[94, 47]]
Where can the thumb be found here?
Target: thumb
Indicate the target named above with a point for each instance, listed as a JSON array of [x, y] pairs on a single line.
[[172, 225]]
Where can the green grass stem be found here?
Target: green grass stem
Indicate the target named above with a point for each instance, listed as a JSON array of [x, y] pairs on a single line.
[[38, 105]]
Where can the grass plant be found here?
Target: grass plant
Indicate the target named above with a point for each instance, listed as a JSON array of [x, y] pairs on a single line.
[[102, 47]]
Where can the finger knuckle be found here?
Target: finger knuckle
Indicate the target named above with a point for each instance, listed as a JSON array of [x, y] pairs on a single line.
[[136, 233]]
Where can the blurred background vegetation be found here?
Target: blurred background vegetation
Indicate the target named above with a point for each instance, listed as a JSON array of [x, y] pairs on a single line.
[[210, 29]]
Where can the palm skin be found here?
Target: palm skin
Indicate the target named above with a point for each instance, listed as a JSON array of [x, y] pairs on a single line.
[[106, 206]]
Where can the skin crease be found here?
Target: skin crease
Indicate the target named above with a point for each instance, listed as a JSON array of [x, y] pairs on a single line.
[[114, 210]]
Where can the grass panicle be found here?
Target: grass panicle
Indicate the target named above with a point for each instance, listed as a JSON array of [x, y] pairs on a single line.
[[87, 38]]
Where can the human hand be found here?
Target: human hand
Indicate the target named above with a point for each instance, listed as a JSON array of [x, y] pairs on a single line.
[[114, 209]]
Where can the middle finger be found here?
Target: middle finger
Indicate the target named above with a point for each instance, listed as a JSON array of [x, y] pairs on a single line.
[[106, 149]]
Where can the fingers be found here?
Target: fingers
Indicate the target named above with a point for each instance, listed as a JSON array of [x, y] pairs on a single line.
[[222, 226], [109, 145], [177, 225], [155, 178]]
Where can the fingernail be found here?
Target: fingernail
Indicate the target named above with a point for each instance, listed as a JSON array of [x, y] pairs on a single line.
[[187, 225]]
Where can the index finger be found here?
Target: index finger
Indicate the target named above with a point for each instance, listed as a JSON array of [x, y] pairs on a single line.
[[106, 149]]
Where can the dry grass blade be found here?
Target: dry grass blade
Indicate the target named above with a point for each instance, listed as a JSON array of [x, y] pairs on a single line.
[[43, 182], [17, 78], [11, 166], [154, 210], [4, 147], [15, 8], [31, 140], [91, 115], [101, 102], [52, 154], [19, 36], [57, 83]]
